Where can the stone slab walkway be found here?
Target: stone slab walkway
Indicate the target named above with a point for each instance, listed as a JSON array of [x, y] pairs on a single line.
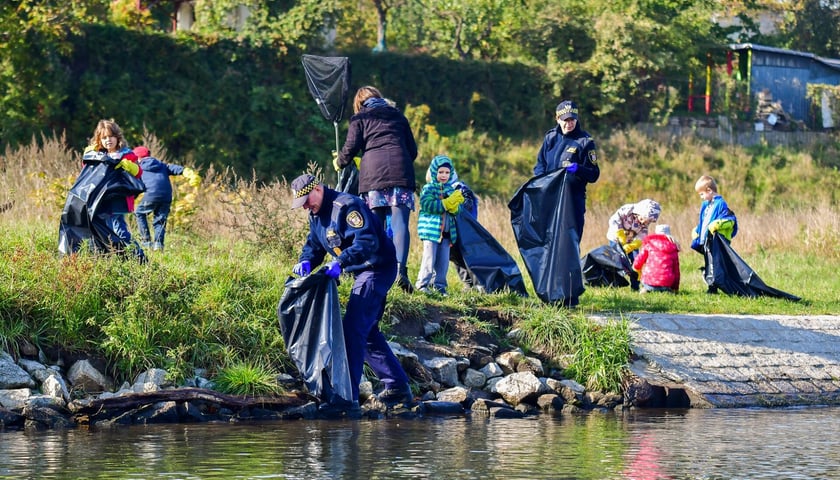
[[743, 360]]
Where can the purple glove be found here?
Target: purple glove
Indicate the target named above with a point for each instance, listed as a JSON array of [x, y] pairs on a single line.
[[333, 269], [572, 167], [302, 269]]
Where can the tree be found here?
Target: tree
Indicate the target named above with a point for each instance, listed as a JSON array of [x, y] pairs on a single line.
[[813, 26], [34, 41]]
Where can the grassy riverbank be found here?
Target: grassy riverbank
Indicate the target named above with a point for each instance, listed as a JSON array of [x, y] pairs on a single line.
[[209, 300]]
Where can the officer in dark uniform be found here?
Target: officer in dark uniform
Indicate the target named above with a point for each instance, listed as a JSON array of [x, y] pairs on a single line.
[[343, 226], [570, 147]]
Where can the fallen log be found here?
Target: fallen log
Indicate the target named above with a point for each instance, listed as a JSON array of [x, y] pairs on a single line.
[[189, 394]]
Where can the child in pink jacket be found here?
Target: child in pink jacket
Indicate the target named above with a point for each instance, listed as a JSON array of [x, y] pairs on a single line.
[[659, 262]]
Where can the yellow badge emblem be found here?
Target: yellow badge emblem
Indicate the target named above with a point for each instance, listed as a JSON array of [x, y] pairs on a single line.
[[592, 158], [572, 149], [355, 219]]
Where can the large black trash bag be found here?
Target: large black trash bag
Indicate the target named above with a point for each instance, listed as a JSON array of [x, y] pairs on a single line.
[[605, 266], [310, 320], [730, 273], [490, 264], [543, 220], [86, 210]]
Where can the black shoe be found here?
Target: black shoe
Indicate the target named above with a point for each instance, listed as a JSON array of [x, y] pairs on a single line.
[[340, 408], [405, 284], [394, 396], [712, 290]]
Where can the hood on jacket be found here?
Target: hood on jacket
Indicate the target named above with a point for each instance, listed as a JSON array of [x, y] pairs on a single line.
[[431, 172], [662, 243]]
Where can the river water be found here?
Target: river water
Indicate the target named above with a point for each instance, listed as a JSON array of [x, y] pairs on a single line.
[[685, 444]]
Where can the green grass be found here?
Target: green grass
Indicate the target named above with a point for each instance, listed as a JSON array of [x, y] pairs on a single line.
[[210, 299], [243, 378]]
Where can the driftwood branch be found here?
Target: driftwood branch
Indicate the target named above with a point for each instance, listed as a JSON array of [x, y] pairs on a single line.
[[233, 402]]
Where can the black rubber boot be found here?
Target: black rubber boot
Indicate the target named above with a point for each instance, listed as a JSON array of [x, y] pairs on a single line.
[[402, 279]]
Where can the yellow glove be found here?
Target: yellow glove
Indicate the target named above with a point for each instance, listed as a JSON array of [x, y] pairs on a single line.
[[358, 162], [128, 166], [621, 236], [722, 227], [336, 165], [635, 244], [694, 234], [453, 202]]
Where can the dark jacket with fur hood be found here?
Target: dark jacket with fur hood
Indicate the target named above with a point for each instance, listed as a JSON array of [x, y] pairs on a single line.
[[383, 138]]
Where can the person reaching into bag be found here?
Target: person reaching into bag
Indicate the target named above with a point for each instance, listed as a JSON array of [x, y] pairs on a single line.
[[342, 226], [628, 226]]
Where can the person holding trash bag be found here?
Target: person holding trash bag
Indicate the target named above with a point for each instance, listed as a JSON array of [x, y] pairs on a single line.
[[440, 201], [383, 137], [342, 226], [568, 146], [628, 226], [715, 218], [108, 149]]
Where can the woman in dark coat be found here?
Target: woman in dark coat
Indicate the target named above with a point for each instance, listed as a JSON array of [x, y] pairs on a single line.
[[381, 135]]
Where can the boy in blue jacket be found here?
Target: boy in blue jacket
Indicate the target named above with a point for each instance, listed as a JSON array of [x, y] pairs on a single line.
[[157, 199], [715, 218]]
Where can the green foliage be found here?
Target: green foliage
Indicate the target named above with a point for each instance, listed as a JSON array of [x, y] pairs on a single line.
[[812, 26], [594, 354], [242, 378]]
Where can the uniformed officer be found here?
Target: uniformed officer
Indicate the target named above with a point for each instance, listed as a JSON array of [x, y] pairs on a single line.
[[570, 147], [343, 226]]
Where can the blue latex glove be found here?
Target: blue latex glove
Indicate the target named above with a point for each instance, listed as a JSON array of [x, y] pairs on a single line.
[[572, 167], [333, 269], [302, 269]]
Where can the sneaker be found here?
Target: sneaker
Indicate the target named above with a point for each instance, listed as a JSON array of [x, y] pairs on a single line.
[[712, 290], [393, 396]]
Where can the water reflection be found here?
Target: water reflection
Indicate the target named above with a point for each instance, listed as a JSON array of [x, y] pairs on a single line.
[[701, 444]]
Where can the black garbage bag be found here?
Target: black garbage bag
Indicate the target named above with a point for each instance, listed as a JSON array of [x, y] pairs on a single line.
[[310, 321], [542, 217], [88, 205], [730, 273], [348, 180], [490, 265], [605, 266]]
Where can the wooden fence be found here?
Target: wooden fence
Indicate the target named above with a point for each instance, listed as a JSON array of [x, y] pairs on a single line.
[[741, 137]]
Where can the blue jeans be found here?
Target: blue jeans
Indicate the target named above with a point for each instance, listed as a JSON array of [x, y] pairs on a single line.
[[434, 266], [160, 213], [119, 238]]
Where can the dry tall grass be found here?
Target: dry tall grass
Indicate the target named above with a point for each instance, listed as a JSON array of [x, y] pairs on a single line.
[[34, 181]]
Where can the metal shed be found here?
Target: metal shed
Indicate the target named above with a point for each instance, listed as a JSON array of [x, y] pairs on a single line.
[[786, 75]]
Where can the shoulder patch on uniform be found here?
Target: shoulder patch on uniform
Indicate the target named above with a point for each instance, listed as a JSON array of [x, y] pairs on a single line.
[[593, 159], [355, 219], [571, 149]]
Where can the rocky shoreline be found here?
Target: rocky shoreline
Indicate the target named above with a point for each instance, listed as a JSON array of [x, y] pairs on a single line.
[[460, 378]]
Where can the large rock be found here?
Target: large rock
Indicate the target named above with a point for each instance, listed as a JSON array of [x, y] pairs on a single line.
[[12, 375], [444, 370], [521, 387], [14, 399], [84, 376]]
